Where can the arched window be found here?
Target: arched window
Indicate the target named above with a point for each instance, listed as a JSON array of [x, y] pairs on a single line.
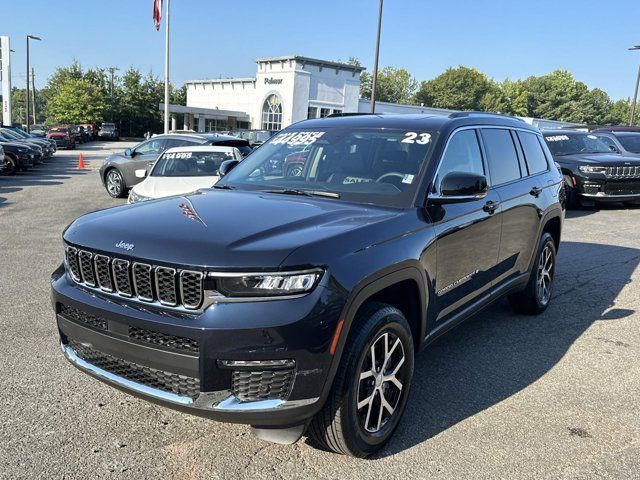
[[272, 113]]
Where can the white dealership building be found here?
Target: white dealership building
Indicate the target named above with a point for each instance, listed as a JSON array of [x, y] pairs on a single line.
[[285, 90]]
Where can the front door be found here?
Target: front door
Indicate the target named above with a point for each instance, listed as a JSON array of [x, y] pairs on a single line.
[[467, 233]]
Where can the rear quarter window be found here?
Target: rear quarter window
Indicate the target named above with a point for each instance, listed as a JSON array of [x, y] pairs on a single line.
[[533, 153]]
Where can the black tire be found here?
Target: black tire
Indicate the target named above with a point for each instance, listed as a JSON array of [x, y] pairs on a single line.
[[535, 299], [13, 165], [114, 183], [339, 425]]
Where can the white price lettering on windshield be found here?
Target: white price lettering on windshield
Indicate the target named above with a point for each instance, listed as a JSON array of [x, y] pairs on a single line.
[[557, 138], [178, 155], [297, 138], [419, 138]]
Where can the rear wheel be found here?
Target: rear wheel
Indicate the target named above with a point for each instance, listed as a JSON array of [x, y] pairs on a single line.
[[371, 386], [115, 183], [13, 164], [535, 298]]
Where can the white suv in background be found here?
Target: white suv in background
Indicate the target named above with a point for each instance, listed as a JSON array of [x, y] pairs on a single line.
[[182, 170]]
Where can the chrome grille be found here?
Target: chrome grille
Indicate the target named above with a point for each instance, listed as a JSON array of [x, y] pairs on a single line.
[[622, 171], [86, 267], [103, 272], [191, 288], [141, 281]]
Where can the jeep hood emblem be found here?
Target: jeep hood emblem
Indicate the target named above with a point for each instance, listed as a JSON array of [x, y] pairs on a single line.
[[125, 246]]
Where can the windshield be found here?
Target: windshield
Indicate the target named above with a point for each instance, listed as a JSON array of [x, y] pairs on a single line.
[[59, 130], [568, 144], [630, 142], [11, 135], [190, 164], [378, 166]]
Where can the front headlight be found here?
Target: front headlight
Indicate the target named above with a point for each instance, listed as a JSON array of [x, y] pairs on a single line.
[[591, 169], [135, 198], [266, 285]]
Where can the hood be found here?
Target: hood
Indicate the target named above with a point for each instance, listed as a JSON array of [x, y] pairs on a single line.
[[604, 159], [221, 228], [158, 187], [56, 134], [13, 144]]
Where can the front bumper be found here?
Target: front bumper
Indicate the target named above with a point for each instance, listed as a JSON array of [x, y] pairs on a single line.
[[295, 329], [600, 188]]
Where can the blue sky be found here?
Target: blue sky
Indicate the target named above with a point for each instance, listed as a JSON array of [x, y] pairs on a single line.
[[212, 38]]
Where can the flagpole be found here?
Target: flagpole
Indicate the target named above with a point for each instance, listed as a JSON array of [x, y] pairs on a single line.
[[166, 72]]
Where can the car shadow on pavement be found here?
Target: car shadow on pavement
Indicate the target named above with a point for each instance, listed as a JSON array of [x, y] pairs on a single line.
[[499, 353], [586, 211]]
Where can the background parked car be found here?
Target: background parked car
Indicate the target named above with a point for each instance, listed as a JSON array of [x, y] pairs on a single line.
[[182, 170], [92, 130], [63, 136], [48, 146], [37, 149], [118, 170], [38, 130], [592, 171], [254, 137], [18, 156], [4, 165], [626, 143], [108, 131]]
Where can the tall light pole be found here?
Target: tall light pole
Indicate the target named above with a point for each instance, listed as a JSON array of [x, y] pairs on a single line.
[[635, 92], [29, 37], [111, 70], [166, 72], [374, 81]]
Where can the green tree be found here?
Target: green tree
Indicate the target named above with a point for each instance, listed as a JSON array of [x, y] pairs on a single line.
[[75, 101], [395, 85], [619, 113], [460, 88]]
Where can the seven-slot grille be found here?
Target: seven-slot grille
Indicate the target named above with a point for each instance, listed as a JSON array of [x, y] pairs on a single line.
[[142, 281], [623, 172]]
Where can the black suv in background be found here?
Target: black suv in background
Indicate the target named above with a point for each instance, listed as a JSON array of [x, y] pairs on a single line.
[[297, 304], [118, 171], [592, 171], [625, 143]]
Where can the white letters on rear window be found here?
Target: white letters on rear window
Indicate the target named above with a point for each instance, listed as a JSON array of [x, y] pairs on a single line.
[[556, 138], [422, 138], [294, 139]]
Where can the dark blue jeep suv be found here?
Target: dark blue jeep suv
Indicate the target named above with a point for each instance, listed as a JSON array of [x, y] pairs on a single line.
[[296, 303]]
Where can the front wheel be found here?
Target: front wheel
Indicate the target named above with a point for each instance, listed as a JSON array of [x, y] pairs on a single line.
[[115, 184], [371, 386], [535, 298]]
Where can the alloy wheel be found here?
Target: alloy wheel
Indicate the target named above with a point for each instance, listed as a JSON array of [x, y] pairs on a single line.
[[545, 274], [114, 183], [381, 381]]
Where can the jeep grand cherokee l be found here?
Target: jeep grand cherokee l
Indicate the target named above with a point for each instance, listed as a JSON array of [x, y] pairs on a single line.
[[592, 171], [297, 304]]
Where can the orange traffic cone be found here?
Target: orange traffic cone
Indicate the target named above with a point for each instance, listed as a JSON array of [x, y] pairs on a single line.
[[80, 161]]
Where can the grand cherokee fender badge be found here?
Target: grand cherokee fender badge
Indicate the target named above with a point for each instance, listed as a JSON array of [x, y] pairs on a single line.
[[125, 246], [457, 282]]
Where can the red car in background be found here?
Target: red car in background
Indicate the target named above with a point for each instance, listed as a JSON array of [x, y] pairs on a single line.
[[63, 136]]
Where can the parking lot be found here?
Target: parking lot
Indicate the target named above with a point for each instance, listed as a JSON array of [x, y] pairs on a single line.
[[504, 396]]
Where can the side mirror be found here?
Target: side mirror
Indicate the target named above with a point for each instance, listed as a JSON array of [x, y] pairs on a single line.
[[461, 187], [613, 149], [128, 152], [227, 166], [142, 173]]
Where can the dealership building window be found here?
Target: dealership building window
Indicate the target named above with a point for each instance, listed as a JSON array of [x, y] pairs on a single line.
[[325, 112], [337, 111], [312, 112], [272, 113]]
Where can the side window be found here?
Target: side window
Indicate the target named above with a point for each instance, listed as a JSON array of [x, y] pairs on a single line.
[[533, 153], [153, 146], [178, 142], [462, 155], [501, 155], [608, 142]]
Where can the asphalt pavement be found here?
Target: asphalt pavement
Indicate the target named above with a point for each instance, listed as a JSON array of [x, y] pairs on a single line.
[[503, 396]]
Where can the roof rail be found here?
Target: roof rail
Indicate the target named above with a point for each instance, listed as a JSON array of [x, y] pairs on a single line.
[[350, 114], [482, 114]]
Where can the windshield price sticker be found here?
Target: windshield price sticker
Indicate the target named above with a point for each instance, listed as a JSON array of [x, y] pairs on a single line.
[[177, 155], [297, 138], [557, 138], [414, 137]]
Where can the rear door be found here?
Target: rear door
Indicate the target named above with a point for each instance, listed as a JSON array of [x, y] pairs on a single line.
[[145, 153], [467, 233], [519, 196]]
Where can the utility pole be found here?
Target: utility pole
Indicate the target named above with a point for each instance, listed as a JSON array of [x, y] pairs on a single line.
[[635, 93], [166, 72], [29, 37], [112, 107], [33, 93], [374, 81]]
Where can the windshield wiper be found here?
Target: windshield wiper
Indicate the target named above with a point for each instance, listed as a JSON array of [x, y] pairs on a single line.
[[224, 187], [306, 193]]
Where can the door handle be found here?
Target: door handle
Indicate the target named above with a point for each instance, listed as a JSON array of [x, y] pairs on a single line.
[[490, 206], [535, 191]]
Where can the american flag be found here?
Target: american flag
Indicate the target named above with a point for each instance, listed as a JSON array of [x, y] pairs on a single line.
[[157, 13]]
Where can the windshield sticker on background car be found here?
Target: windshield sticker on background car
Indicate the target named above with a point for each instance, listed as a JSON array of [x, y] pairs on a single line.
[[408, 178], [557, 138], [294, 139], [422, 138], [177, 155]]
